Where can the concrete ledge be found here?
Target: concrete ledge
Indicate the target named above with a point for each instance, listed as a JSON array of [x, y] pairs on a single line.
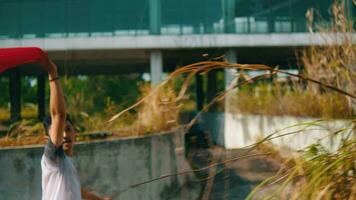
[[107, 167], [179, 41], [238, 131]]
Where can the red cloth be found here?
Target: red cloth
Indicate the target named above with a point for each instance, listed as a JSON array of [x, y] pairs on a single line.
[[12, 57]]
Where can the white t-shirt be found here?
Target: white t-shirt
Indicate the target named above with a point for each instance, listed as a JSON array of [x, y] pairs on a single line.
[[60, 179]]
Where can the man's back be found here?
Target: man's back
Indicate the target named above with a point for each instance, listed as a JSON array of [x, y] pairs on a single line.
[[59, 177]]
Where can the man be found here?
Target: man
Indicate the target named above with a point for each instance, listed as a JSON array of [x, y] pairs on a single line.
[[59, 177]]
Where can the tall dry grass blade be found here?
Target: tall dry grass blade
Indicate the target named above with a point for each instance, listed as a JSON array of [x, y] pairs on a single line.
[[201, 67]]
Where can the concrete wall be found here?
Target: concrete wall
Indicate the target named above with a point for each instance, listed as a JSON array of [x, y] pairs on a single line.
[[237, 131], [107, 167]]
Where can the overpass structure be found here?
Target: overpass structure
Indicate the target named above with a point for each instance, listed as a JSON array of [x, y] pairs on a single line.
[[120, 36]]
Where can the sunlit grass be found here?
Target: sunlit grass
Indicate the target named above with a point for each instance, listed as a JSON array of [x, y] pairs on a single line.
[[4, 114], [315, 172], [278, 100], [157, 114]]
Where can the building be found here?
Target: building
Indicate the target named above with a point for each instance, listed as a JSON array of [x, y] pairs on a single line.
[[119, 36]]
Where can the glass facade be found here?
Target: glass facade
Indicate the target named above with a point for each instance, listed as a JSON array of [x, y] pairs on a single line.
[[72, 18]]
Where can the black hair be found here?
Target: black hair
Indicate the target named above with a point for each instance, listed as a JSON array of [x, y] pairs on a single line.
[[47, 122]]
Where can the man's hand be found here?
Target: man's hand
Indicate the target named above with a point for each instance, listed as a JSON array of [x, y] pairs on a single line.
[[50, 67]]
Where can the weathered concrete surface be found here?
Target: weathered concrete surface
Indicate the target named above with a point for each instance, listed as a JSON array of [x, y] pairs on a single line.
[[233, 180], [107, 167], [180, 41], [237, 131]]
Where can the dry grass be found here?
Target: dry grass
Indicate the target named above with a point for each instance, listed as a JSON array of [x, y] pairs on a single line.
[[159, 112], [315, 173], [33, 140], [205, 67], [156, 113], [333, 64], [276, 100], [318, 173], [24, 132], [4, 114]]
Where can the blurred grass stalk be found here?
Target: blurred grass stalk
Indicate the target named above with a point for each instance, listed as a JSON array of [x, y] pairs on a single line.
[[333, 64], [314, 173], [159, 112]]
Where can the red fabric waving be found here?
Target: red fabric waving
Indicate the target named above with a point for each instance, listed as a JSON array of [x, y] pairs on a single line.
[[12, 57]]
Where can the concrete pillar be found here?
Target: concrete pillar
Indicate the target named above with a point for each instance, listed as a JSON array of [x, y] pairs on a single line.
[[270, 22], [270, 19], [229, 15], [212, 89], [15, 95], [230, 134], [156, 66], [155, 16], [41, 95], [230, 56], [199, 91]]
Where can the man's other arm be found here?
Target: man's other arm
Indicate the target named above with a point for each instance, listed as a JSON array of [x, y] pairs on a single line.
[[87, 195]]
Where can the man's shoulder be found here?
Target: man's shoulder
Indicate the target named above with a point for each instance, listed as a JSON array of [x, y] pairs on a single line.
[[52, 154]]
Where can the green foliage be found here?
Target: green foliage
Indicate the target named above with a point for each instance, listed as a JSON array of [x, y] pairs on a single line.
[[29, 90], [92, 99], [90, 93]]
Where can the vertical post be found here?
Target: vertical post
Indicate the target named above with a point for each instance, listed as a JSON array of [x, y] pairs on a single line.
[[199, 92], [270, 22], [15, 95], [155, 16], [229, 15], [156, 66], [270, 19], [248, 24], [41, 96], [230, 75], [212, 89], [230, 56], [230, 136]]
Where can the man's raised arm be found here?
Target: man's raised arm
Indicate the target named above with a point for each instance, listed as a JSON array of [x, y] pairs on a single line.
[[57, 105]]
